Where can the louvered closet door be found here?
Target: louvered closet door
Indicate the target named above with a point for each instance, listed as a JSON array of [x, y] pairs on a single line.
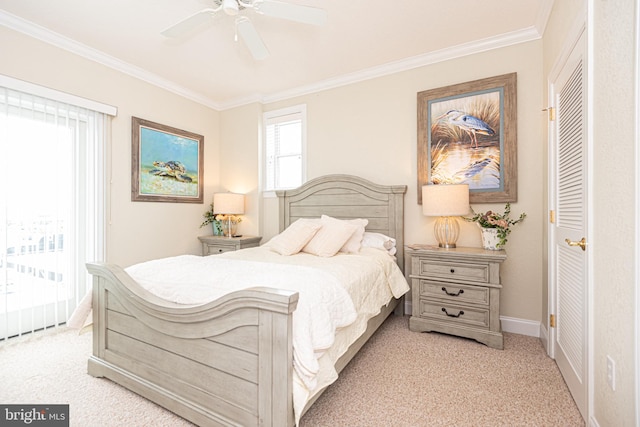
[[569, 269]]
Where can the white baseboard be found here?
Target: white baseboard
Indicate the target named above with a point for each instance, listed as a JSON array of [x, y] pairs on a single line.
[[408, 309], [544, 338], [520, 326], [509, 324]]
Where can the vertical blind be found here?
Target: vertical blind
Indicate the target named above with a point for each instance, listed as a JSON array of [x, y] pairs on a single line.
[[51, 208]]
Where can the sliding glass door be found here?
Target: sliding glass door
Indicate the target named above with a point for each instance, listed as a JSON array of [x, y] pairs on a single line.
[[51, 203]]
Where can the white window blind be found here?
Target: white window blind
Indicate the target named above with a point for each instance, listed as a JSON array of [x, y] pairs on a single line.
[[284, 148], [51, 208]]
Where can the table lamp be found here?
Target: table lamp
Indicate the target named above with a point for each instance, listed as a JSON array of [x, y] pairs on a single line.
[[446, 201], [228, 204]]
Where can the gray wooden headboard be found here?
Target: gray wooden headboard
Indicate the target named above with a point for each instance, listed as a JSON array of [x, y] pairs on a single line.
[[348, 197]]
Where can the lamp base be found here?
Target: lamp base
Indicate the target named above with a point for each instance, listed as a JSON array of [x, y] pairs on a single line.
[[229, 228], [446, 230], [447, 245]]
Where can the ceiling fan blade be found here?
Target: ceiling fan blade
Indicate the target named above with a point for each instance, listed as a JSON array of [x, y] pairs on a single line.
[[292, 12], [251, 38], [189, 23]]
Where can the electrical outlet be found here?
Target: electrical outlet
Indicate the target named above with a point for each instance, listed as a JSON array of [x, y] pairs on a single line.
[[611, 373]]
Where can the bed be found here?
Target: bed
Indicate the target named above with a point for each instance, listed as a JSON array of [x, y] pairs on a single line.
[[230, 361]]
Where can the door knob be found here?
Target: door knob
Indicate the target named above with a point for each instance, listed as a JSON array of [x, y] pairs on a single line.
[[582, 243]]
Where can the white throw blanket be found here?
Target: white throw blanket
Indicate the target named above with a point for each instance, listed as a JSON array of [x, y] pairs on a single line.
[[323, 305], [333, 293]]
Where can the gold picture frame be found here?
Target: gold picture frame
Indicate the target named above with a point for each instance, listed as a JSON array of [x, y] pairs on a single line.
[[167, 164], [467, 134]]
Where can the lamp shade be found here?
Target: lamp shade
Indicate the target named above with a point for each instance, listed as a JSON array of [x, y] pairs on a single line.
[[228, 203], [445, 200]]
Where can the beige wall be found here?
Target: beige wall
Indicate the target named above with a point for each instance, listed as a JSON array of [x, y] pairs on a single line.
[[613, 171], [369, 129], [239, 135], [615, 211], [135, 231]]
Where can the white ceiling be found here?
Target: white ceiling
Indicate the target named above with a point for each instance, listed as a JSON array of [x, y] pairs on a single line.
[[362, 39]]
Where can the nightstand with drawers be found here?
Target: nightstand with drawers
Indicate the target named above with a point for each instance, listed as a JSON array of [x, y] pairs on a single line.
[[212, 245], [456, 291]]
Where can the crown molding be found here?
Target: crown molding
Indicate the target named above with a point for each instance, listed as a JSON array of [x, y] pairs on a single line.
[[508, 39], [477, 46], [543, 15], [38, 32]]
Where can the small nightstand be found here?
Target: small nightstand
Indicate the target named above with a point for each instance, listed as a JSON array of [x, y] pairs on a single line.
[[212, 245], [456, 291]]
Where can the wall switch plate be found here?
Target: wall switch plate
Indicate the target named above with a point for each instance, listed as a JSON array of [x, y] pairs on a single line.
[[611, 373]]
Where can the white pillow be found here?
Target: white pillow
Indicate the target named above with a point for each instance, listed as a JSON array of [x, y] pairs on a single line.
[[352, 245], [330, 238], [379, 241], [295, 237]]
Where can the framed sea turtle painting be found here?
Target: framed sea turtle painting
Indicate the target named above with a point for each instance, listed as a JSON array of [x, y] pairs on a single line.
[[167, 163], [467, 135]]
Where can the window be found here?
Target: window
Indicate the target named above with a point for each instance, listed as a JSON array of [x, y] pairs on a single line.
[[51, 207], [284, 148]]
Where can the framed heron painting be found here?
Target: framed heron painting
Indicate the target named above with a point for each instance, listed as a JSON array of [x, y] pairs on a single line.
[[467, 135], [167, 163]]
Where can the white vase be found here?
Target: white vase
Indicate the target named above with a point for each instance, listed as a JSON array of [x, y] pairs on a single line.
[[490, 238]]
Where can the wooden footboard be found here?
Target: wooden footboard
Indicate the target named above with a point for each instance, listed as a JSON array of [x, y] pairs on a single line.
[[228, 362]]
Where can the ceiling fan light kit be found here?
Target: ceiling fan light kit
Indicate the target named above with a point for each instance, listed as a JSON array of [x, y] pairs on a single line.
[[244, 26], [230, 7]]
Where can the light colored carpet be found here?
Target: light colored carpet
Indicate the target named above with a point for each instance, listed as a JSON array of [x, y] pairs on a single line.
[[404, 378], [399, 378]]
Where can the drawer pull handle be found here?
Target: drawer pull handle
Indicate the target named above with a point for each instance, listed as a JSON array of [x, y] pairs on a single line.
[[452, 270], [452, 315], [451, 294]]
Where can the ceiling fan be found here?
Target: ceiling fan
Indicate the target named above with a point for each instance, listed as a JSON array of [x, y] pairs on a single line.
[[244, 26]]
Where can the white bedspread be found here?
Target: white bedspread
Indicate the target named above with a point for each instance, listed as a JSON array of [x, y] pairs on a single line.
[[323, 305], [333, 292]]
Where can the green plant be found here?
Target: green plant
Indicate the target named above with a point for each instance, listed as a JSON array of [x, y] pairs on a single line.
[[210, 218], [501, 222]]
